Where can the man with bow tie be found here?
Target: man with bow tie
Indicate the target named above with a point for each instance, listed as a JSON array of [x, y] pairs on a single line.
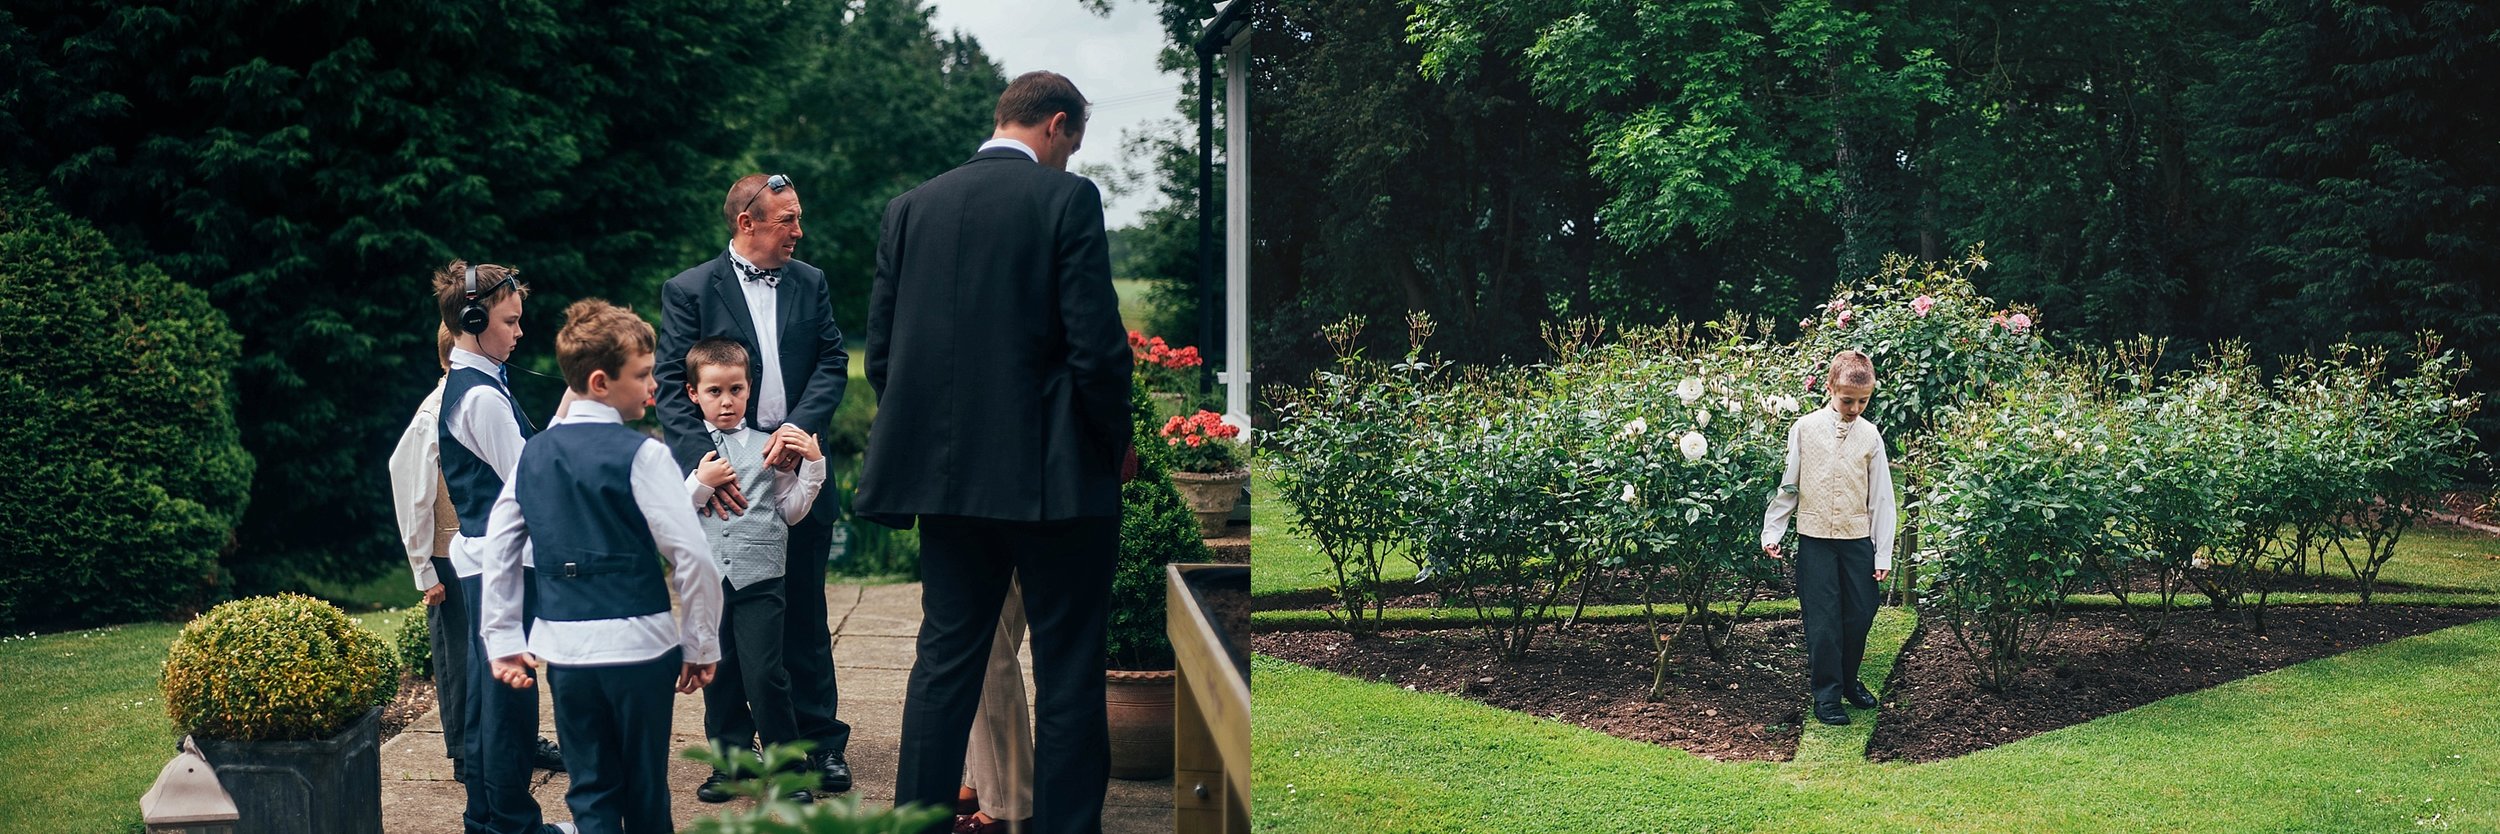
[[760, 295]]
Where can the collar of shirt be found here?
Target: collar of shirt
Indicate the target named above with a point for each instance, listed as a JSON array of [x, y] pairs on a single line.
[[591, 411], [742, 259], [740, 429], [1004, 142], [464, 358]]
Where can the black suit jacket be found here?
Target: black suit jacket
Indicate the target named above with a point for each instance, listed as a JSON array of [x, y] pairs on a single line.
[[706, 301], [996, 349]]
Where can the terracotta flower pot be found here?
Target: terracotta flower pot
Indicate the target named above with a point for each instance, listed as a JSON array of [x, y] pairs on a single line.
[[1212, 496], [1140, 704]]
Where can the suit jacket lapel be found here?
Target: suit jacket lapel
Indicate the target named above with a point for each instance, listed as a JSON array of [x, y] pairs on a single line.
[[733, 298], [786, 309]]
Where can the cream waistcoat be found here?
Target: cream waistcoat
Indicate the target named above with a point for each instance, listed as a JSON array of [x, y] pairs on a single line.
[[1832, 481]]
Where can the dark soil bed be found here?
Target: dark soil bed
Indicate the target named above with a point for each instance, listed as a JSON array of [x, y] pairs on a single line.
[[1745, 708], [2335, 581], [416, 695], [2093, 665], [1610, 588]]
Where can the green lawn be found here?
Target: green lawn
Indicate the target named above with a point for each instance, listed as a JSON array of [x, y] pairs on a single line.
[[83, 729], [1135, 308], [2400, 737]]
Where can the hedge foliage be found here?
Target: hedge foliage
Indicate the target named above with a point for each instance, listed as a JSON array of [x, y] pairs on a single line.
[[125, 474], [279, 668], [1156, 529]]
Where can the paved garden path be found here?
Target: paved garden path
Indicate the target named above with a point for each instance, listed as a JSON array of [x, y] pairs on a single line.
[[873, 628]]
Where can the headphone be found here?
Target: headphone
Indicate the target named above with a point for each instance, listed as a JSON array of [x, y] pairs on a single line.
[[472, 316]]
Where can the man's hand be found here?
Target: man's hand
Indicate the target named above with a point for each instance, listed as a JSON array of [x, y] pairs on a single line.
[[1771, 550], [727, 502], [1128, 464], [789, 445], [514, 671], [435, 595], [694, 676], [1880, 573], [714, 472]]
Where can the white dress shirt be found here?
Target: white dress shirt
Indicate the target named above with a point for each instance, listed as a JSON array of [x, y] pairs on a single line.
[[484, 424], [692, 578], [1004, 142], [414, 463], [772, 399], [1879, 500], [797, 488]]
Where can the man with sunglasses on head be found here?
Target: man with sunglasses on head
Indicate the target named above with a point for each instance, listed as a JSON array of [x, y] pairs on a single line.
[[760, 295]]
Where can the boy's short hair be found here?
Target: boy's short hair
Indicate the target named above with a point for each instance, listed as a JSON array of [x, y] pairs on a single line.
[[451, 289], [719, 351], [1850, 367], [1036, 96], [442, 347], [599, 336]]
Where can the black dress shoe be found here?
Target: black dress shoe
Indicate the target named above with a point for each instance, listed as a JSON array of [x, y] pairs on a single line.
[[546, 756], [711, 791], [833, 773], [1859, 697], [1831, 713]]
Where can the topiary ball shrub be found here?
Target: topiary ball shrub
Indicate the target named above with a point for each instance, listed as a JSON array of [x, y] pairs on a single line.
[[1156, 529], [281, 668], [413, 642], [125, 473]]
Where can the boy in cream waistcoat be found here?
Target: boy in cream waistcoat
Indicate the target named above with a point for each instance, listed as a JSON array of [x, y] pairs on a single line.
[[1838, 484]]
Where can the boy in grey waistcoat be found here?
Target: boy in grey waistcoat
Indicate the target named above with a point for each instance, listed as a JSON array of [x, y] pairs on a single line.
[[775, 478]]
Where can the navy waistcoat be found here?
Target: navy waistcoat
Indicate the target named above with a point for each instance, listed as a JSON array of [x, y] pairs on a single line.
[[473, 483], [596, 560]]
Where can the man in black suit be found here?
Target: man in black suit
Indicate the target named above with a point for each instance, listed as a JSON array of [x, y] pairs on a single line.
[[1002, 373], [759, 294]]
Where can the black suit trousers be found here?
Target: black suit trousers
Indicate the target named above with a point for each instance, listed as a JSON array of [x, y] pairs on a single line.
[[1836, 592], [965, 566]]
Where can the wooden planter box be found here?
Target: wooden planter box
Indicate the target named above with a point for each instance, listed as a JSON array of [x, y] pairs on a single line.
[[330, 786], [1211, 710]]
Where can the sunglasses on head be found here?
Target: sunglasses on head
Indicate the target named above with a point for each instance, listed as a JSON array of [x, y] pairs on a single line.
[[776, 183]]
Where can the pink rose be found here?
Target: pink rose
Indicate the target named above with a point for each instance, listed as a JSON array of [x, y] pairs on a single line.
[[1844, 317], [1922, 304], [2019, 322], [1837, 305]]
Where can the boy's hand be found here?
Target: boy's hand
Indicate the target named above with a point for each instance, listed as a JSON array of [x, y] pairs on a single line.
[[1128, 464], [1772, 550], [694, 677], [714, 472], [514, 671], [1880, 573], [727, 501], [435, 595]]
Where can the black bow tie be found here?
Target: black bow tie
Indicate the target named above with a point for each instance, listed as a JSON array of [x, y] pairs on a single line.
[[750, 272]]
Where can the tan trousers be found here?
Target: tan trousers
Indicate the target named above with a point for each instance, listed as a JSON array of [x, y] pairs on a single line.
[[998, 763]]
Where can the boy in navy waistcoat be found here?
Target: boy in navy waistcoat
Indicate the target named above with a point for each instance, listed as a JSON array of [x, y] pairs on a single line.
[[751, 693], [600, 507], [479, 437]]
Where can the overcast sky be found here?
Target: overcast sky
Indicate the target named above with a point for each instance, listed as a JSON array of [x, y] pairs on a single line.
[[1112, 60]]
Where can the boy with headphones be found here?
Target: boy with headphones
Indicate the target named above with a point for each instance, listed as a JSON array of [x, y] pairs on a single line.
[[479, 436]]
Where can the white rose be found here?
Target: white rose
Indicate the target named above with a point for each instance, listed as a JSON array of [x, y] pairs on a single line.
[[1636, 428], [1702, 418], [1788, 404], [1628, 494], [2059, 432], [1689, 390], [1694, 445], [1770, 404]]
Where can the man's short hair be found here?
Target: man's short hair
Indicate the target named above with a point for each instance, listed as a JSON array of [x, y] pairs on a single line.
[[1850, 367], [451, 284], [599, 336], [745, 196], [718, 351], [1035, 96]]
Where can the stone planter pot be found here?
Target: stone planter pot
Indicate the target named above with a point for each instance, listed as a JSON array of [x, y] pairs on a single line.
[[1140, 704], [1211, 496], [329, 786]]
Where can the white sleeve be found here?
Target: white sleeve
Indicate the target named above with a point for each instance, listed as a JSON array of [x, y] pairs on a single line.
[[413, 464], [499, 600], [484, 424], [660, 494], [1879, 504], [702, 492], [1783, 499], [799, 488]]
